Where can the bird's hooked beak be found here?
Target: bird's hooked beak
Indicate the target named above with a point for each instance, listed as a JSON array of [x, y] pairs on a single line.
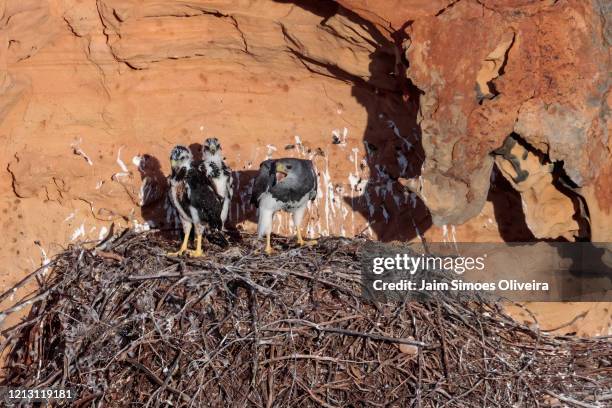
[[281, 172]]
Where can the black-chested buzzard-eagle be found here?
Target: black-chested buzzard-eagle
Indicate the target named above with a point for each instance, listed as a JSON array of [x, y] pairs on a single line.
[[283, 184]]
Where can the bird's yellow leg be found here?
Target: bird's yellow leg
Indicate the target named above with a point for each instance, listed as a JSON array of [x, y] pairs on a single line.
[[268, 249], [183, 247], [198, 251], [301, 241]]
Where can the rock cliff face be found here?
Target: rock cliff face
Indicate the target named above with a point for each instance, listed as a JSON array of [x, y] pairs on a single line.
[[537, 70], [495, 114]]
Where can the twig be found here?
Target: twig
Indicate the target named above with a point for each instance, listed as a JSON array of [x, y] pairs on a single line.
[[570, 400], [151, 376]]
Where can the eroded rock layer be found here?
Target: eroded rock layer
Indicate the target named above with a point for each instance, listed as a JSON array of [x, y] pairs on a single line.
[[540, 70]]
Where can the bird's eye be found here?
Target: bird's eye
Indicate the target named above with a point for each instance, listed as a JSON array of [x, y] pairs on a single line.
[[289, 167]]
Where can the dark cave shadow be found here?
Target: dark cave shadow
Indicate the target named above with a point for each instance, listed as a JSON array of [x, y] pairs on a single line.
[[508, 210], [566, 186], [241, 209], [562, 182], [390, 157], [587, 260], [584, 274], [392, 141], [583, 260], [322, 8]]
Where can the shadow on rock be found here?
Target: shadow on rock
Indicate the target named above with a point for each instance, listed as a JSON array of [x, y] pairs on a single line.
[[508, 210], [391, 138], [155, 207]]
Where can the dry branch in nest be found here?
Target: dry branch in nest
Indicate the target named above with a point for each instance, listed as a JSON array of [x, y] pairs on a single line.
[[126, 325]]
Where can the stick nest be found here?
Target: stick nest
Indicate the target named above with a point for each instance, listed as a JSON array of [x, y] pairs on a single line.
[[125, 325]]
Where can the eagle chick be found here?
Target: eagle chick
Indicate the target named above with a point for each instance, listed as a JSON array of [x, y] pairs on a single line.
[[219, 174], [194, 198]]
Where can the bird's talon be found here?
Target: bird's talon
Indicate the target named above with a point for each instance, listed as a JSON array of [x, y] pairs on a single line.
[[302, 243], [177, 253], [269, 250], [195, 254]]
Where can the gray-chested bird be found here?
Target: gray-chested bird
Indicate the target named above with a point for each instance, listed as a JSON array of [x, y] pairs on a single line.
[[283, 184]]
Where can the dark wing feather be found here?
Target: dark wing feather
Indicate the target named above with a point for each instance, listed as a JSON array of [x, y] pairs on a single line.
[[266, 179], [202, 196], [215, 171], [181, 191], [226, 170], [230, 180], [183, 196], [313, 192]]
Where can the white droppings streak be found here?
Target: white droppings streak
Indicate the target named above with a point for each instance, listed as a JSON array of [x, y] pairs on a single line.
[[422, 188], [345, 212], [371, 207], [329, 194], [353, 181], [79, 232], [271, 150], [444, 233], [76, 148], [103, 232], [358, 184], [138, 227], [299, 146], [120, 162], [45, 258]]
